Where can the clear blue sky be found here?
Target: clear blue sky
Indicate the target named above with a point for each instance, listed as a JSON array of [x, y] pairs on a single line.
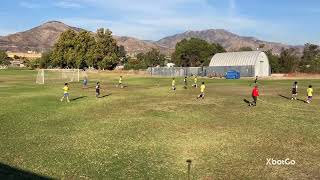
[[286, 21]]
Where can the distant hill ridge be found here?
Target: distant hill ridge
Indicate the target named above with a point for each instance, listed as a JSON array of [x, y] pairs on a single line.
[[43, 37]]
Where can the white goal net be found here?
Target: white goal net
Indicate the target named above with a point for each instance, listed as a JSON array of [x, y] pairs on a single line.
[[60, 75], [70, 75]]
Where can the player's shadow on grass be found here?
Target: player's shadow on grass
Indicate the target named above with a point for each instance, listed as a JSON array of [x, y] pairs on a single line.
[[8, 172], [302, 100], [285, 97], [246, 101], [289, 98], [105, 95], [77, 98]]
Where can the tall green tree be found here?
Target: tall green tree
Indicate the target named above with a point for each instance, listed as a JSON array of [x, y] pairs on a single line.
[[84, 49], [106, 49], [194, 52], [63, 54]]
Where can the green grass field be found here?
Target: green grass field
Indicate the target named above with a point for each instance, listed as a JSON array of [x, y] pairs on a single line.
[[146, 131]]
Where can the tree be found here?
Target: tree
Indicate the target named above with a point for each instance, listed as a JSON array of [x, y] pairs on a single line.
[[135, 63], [289, 60], [63, 51], [154, 58], [247, 48], [194, 52], [121, 51], [4, 58], [109, 62], [122, 54], [45, 60], [310, 61], [84, 49], [145, 60], [106, 46]]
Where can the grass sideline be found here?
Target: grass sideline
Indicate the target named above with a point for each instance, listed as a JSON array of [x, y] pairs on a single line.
[[146, 131]]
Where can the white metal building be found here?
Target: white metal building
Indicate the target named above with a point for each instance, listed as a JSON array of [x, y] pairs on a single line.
[[248, 63]]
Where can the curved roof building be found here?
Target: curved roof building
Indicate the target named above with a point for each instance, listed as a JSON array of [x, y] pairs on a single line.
[[248, 63]]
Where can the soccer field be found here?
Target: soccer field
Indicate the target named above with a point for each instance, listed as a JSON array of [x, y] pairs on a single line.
[[147, 131]]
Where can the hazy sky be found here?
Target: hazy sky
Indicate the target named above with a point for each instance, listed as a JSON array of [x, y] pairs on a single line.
[[287, 21]]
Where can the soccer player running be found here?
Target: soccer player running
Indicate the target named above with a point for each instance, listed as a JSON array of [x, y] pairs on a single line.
[[294, 91], [120, 82], [195, 82], [173, 84], [65, 92], [309, 92], [202, 88], [85, 82], [97, 90], [185, 83], [256, 80], [255, 94]]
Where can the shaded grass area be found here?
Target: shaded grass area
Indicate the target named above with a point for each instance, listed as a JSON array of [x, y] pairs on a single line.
[[146, 131]]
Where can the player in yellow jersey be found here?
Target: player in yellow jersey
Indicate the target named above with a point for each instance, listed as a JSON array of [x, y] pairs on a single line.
[[173, 84], [202, 88], [120, 82], [65, 92], [195, 82], [310, 93]]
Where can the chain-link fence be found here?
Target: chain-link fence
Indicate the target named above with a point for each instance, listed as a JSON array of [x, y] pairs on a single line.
[[245, 71]]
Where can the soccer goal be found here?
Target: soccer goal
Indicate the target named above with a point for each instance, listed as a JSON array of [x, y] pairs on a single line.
[[60, 75]]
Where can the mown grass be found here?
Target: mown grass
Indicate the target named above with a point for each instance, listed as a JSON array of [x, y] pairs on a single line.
[[146, 131]]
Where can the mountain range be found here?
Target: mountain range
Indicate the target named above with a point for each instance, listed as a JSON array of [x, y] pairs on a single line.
[[43, 37]]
